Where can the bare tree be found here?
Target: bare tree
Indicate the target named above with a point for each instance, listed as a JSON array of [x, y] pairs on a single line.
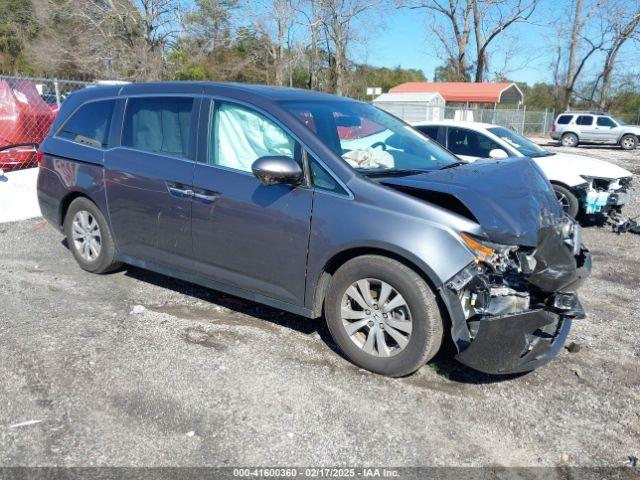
[[490, 19], [338, 19], [115, 38], [454, 34], [275, 20], [311, 21], [623, 29], [583, 44]]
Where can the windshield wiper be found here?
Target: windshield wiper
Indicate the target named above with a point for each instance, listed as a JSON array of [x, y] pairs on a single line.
[[542, 154], [453, 165], [393, 173]]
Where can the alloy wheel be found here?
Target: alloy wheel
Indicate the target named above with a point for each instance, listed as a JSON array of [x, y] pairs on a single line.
[[86, 235], [628, 143], [376, 317], [569, 141], [563, 201]]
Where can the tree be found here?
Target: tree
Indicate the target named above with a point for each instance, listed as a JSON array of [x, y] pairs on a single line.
[[623, 28], [338, 18], [583, 44], [451, 25], [490, 19], [17, 27]]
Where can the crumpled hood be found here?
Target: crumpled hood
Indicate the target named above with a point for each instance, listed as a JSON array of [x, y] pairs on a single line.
[[582, 165], [511, 198]]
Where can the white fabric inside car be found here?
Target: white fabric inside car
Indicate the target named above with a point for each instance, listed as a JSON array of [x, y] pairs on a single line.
[[242, 136], [369, 158]]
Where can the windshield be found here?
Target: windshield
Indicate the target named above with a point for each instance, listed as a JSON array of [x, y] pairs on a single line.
[[525, 146], [618, 121], [370, 140]]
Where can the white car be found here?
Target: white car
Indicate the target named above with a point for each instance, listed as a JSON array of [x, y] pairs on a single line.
[[582, 184]]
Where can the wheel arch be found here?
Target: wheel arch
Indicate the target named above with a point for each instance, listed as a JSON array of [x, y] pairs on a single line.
[[625, 134], [340, 258], [66, 202]]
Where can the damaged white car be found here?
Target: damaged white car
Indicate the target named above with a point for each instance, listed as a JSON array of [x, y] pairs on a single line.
[[583, 185]]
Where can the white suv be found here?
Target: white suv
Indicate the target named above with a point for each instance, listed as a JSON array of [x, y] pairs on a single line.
[[573, 128]]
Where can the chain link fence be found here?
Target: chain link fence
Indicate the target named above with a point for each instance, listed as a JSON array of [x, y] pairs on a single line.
[[28, 107], [520, 120]]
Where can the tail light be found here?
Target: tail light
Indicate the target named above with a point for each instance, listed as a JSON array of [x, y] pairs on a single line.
[[40, 157], [553, 127]]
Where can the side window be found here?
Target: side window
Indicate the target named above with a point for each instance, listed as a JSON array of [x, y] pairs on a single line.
[[89, 125], [470, 143], [605, 122], [564, 119], [322, 179], [158, 125], [430, 131], [238, 136], [585, 120]]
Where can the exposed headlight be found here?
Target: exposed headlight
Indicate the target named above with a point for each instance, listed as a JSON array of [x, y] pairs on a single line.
[[488, 252]]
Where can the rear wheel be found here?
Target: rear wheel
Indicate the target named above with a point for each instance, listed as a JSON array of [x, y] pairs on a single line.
[[629, 142], [89, 237], [567, 200], [569, 140], [383, 315]]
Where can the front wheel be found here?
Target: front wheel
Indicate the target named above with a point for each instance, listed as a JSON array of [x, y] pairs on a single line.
[[383, 315], [567, 200], [629, 142], [569, 140]]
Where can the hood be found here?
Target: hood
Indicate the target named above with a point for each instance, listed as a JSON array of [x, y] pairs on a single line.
[[510, 198], [581, 165]]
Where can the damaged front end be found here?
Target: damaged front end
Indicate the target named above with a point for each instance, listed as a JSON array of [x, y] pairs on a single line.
[[512, 307], [604, 195]]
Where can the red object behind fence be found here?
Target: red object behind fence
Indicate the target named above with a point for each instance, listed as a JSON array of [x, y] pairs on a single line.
[[25, 119]]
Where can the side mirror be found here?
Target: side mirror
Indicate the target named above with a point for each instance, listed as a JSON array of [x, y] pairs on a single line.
[[498, 153], [277, 170]]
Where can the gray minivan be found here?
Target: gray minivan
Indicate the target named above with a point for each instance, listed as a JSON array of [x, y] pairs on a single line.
[[322, 206]]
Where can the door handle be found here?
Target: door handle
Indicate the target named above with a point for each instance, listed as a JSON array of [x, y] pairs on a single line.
[[180, 191], [204, 196]]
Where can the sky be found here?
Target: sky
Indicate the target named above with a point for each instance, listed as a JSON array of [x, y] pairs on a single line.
[[403, 38]]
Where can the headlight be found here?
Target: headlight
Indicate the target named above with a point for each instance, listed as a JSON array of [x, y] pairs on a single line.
[[486, 251]]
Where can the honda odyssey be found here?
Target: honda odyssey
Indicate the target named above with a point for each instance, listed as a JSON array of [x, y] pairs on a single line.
[[321, 206]]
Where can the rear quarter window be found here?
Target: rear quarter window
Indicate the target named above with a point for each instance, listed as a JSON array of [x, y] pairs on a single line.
[[89, 124], [564, 119], [158, 125]]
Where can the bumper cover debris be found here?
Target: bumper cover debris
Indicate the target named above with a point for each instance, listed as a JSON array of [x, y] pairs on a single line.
[[514, 315], [516, 343]]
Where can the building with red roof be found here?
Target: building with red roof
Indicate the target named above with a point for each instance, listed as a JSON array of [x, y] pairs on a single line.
[[465, 92]]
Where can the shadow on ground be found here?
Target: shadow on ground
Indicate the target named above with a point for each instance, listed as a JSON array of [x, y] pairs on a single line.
[[443, 363]]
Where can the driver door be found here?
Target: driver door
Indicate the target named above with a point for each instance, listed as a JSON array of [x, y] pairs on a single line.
[[245, 234]]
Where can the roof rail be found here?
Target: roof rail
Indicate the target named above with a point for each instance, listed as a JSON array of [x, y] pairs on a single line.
[[590, 112]]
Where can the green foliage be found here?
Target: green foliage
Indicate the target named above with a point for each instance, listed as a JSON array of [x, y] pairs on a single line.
[[17, 27], [539, 96], [383, 77], [448, 73]]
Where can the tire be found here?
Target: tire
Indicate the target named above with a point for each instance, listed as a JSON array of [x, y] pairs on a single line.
[[569, 140], [629, 142], [568, 201], [79, 227], [393, 358]]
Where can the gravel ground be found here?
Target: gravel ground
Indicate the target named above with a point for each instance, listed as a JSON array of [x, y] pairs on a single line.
[[200, 378]]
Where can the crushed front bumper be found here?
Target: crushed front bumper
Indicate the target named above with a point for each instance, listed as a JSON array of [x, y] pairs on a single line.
[[517, 319], [516, 343]]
